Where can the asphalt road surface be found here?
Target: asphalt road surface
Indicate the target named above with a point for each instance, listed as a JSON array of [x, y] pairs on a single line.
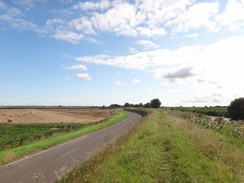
[[50, 164]]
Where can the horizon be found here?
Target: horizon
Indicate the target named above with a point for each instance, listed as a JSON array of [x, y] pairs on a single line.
[[102, 52]]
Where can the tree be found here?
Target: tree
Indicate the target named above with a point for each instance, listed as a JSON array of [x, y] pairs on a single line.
[[147, 105], [155, 103], [127, 104], [115, 105], [236, 109]]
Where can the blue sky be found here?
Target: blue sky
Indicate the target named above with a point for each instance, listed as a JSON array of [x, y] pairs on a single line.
[[70, 52]]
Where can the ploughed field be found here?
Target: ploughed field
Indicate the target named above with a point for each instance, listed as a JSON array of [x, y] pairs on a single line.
[[67, 115]]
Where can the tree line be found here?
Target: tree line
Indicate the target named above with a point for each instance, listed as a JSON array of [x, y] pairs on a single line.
[[154, 103]]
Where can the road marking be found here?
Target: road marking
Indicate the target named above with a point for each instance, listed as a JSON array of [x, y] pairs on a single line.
[[68, 152], [51, 148]]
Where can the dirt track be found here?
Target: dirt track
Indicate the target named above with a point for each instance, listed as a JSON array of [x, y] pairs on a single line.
[[53, 115]]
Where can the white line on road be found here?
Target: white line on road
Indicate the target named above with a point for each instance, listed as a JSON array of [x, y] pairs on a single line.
[[68, 152]]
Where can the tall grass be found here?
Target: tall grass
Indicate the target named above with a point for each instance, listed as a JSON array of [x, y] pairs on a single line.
[[211, 111], [11, 154], [164, 148]]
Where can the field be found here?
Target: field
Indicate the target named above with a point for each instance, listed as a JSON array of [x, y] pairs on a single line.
[[67, 115], [14, 135], [170, 146], [18, 139]]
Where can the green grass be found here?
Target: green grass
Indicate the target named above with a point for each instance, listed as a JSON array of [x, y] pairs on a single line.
[[11, 154], [164, 148]]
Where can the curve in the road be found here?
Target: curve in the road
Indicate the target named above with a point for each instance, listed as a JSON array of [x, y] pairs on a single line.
[[53, 163]]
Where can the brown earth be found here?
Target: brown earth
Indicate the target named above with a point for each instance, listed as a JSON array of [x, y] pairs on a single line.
[[53, 115]]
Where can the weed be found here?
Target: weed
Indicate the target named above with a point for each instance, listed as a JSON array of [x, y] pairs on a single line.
[[38, 177]]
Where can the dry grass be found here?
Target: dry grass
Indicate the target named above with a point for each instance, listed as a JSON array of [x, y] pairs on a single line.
[[54, 115], [9, 157]]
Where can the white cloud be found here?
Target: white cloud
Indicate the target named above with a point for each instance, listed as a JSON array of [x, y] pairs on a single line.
[[210, 62], [197, 16], [77, 67], [9, 10], [67, 78], [84, 25], [66, 1], [84, 76], [103, 5], [19, 24], [193, 35], [177, 91], [132, 50], [118, 83], [233, 16], [121, 19], [68, 36], [151, 32], [140, 18], [28, 4], [148, 44], [209, 99], [93, 59], [164, 84], [136, 81]]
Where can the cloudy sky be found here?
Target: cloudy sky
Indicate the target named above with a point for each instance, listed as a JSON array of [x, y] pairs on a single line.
[[70, 52]]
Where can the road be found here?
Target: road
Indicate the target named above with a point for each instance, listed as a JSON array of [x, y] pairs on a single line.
[[57, 161]]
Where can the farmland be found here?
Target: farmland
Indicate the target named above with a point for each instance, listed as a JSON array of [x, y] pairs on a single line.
[[14, 135], [23, 116], [22, 126], [19, 139]]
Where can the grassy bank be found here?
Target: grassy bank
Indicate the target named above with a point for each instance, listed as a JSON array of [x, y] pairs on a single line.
[[9, 155], [165, 148]]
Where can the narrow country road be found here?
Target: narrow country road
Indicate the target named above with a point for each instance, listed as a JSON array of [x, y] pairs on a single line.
[[59, 160]]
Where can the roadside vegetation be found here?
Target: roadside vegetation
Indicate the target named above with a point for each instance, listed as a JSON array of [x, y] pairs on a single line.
[[18, 140], [234, 129], [167, 146]]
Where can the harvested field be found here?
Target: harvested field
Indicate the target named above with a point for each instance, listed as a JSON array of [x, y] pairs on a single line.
[[53, 115]]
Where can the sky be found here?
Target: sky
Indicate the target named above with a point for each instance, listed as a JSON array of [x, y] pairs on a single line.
[[102, 52]]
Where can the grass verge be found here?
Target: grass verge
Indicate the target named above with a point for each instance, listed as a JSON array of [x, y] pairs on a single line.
[[14, 153], [164, 148]]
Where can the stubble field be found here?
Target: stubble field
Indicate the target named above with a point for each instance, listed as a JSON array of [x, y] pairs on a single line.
[[27, 116]]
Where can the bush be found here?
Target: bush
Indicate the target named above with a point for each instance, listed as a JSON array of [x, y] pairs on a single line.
[[236, 109]]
